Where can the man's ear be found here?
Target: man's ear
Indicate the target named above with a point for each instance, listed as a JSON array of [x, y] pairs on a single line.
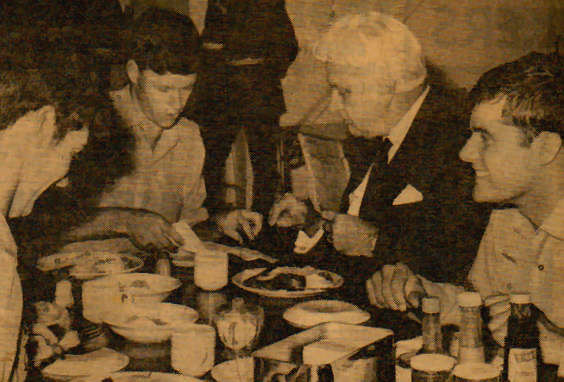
[[132, 71], [547, 145], [47, 125]]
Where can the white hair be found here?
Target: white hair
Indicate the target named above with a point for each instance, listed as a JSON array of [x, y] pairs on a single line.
[[378, 43]]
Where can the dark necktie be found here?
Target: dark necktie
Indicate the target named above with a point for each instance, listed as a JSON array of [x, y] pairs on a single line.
[[128, 13], [361, 153]]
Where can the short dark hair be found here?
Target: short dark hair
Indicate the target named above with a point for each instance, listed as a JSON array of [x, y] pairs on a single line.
[[25, 90], [21, 91], [533, 86], [163, 41]]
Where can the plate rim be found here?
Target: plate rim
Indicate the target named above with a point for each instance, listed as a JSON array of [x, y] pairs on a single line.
[[87, 275], [124, 362], [242, 276], [145, 374], [166, 327], [214, 368], [301, 326]]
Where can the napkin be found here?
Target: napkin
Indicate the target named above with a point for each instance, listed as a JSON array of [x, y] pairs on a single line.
[[192, 242]]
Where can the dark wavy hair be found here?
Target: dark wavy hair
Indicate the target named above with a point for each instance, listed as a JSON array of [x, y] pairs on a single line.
[[21, 91], [163, 41], [533, 85]]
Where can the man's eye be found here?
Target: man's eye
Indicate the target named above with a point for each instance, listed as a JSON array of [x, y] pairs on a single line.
[[485, 138], [344, 93]]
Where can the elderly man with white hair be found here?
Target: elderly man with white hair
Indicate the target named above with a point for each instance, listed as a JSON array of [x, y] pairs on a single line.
[[408, 196]]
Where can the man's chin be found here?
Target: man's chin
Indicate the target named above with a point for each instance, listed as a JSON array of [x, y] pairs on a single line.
[[487, 196]]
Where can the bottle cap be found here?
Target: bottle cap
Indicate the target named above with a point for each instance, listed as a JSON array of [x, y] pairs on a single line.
[[432, 363], [469, 299], [474, 371], [522, 298], [431, 305]]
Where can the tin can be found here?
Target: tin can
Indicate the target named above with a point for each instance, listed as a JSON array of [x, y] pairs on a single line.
[[431, 368], [476, 372]]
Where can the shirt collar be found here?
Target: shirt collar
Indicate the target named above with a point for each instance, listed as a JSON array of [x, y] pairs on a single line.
[[553, 224], [399, 131]]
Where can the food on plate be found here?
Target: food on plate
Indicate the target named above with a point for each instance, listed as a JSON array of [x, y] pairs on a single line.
[[291, 279], [144, 321], [105, 264], [139, 284]]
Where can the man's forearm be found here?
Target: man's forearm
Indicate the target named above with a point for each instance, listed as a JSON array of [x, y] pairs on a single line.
[[105, 223]]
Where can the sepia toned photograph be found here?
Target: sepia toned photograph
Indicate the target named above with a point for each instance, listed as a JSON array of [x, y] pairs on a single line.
[[282, 191]]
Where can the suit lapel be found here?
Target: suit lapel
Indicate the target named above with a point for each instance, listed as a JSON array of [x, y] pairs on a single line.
[[407, 167]]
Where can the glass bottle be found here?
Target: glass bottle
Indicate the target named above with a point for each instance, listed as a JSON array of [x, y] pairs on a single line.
[[163, 265], [521, 358], [431, 326], [471, 348]]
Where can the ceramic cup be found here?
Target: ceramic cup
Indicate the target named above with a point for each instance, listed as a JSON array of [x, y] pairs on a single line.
[[193, 350]]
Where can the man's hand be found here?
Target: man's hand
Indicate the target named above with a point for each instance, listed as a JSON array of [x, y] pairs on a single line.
[[287, 212], [231, 223], [151, 232], [351, 235], [394, 287]]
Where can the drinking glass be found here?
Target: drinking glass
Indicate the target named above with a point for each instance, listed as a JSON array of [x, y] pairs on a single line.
[[238, 326], [193, 350], [211, 270]]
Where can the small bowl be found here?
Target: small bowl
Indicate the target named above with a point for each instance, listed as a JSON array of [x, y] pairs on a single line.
[[149, 323], [142, 287]]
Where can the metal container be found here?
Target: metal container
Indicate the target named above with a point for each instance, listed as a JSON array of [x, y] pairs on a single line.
[[330, 352]]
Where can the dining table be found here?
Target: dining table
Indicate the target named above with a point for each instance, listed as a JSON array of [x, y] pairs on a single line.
[[156, 357]]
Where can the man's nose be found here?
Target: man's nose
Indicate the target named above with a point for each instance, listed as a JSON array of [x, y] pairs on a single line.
[[469, 152]]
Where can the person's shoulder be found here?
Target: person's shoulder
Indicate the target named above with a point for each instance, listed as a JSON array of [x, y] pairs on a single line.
[[189, 132]]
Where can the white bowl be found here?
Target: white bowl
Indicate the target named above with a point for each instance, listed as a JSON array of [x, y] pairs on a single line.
[[310, 313], [149, 323], [142, 287]]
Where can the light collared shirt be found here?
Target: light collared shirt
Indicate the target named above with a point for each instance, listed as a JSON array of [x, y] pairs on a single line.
[[515, 257], [166, 179], [396, 136]]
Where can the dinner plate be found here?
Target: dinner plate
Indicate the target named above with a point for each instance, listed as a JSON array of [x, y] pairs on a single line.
[[88, 265], [240, 278], [238, 370], [311, 313], [102, 361], [140, 376]]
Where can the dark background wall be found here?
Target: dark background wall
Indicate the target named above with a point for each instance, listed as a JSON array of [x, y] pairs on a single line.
[[463, 38]]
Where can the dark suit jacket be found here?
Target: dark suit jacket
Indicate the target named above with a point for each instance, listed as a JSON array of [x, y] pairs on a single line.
[[437, 237]]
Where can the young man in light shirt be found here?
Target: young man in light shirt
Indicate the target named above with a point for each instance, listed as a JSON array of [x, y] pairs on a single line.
[[164, 184], [517, 152], [394, 205]]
